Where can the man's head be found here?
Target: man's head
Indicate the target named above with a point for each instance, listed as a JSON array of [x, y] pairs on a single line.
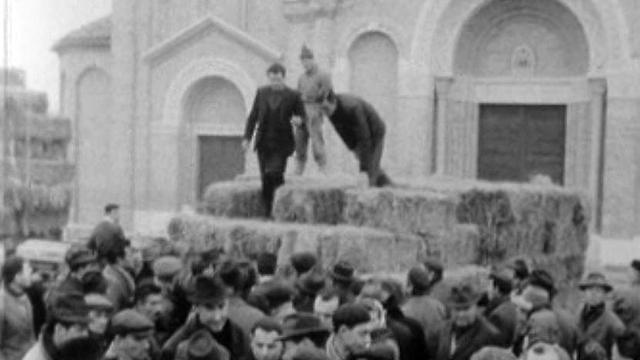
[[276, 74], [100, 309], [324, 306], [165, 269], [16, 273], [634, 271], [69, 318], [132, 332], [150, 300], [279, 295], [418, 281], [81, 260], [352, 327], [267, 264], [306, 57], [211, 303], [462, 302], [112, 211], [303, 262], [329, 103], [595, 289], [302, 331], [265, 344], [376, 311], [233, 275], [541, 279], [500, 283], [435, 269]]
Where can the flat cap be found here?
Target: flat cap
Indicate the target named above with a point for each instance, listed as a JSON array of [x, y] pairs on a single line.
[[98, 301], [130, 322], [167, 266], [70, 308]]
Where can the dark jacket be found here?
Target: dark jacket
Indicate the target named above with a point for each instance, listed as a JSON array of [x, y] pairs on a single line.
[[271, 113], [231, 337], [569, 335], [503, 314], [431, 315], [482, 333], [601, 325], [408, 334], [359, 126]]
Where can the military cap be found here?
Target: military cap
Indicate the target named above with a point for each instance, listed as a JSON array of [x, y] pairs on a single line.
[[167, 266], [130, 321], [305, 52], [70, 308], [98, 302], [79, 255], [303, 261]]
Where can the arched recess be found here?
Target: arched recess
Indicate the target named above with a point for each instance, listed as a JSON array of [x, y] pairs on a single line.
[[373, 69], [93, 135], [210, 151], [440, 23]]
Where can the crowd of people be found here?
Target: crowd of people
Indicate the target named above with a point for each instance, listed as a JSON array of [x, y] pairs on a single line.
[[162, 304]]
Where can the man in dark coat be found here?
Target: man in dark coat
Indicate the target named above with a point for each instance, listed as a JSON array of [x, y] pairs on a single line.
[[272, 112], [467, 331], [211, 305], [108, 229], [500, 311], [361, 129], [596, 321]]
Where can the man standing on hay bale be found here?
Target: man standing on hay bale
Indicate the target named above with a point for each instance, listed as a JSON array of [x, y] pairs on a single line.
[[313, 83], [361, 129], [273, 109]]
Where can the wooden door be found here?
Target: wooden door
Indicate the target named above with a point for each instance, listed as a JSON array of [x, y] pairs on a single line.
[[517, 142], [220, 158]]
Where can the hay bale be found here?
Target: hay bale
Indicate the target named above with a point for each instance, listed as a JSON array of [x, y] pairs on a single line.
[[401, 210], [454, 248], [311, 202], [368, 249], [241, 199]]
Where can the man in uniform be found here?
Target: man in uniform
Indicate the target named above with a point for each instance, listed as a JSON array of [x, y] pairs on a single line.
[[272, 113]]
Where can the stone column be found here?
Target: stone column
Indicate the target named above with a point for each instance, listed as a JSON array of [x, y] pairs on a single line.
[[621, 205], [442, 87]]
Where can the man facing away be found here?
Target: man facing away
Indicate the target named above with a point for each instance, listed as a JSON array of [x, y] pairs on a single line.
[[361, 129], [312, 84], [272, 112], [16, 314]]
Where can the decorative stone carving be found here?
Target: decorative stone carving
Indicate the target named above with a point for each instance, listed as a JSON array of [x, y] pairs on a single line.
[[523, 61]]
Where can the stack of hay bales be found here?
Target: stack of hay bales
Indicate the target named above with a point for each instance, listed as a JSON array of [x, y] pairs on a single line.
[[460, 222], [369, 250]]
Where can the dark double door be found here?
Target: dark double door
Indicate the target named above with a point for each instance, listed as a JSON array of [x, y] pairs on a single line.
[[517, 142]]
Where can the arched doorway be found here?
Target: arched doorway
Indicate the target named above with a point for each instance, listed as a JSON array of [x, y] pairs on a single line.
[[373, 62], [213, 117], [93, 133], [519, 102]]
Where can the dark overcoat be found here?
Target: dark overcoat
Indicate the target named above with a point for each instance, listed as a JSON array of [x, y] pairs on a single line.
[[270, 119], [503, 314], [605, 329], [482, 333]]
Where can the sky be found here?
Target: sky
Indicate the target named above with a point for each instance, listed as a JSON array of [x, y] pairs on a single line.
[[34, 26]]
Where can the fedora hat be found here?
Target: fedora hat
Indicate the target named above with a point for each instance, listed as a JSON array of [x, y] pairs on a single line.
[[342, 271], [595, 279], [301, 324], [462, 296], [207, 290], [310, 284], [202, 346]]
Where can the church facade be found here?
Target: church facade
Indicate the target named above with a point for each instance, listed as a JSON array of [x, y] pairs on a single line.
[[491, 89]]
